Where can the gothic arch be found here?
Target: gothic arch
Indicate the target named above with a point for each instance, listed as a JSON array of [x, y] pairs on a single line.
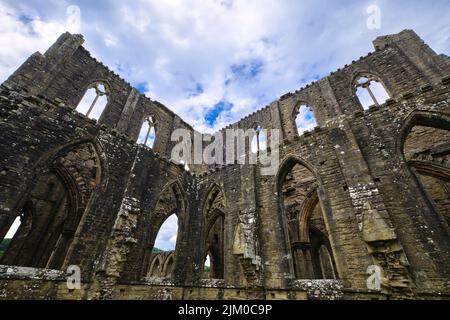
[[424, 150], [178, 189], [95, 100], [312, 200], [156, 266], [437, 120], [152, 114], [64, 184], [296, 112], [211, 195], [260, 138], [91, 84], [47, 159], [171, 201], [214, 215], [303, 219], [169, 265], [288, 163], [366, 73], [152, 121], [368, 89], [431, 168]]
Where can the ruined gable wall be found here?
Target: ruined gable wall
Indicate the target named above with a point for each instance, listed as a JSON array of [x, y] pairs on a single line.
[[65, 72]]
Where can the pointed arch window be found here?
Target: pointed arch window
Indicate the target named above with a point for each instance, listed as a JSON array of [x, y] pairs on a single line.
[[166, 238], [4, 244], [147, 135], [165, 232], [156, 268], [304, 118], [94, 101], [306, 226], [169, 266], [259, 141], [214, 259], [370, 91]]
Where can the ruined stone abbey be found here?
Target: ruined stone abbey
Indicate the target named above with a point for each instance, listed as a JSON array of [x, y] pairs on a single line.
[[359, 207]]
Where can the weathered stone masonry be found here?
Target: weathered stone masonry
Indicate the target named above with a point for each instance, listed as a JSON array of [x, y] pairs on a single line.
[[366, 187]]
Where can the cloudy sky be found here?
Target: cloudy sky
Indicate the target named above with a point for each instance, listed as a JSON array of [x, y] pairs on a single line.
[[214, 61]]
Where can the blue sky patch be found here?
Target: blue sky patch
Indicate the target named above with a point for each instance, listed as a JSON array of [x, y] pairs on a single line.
[[212, 115], [142, 87], [25, 19], [247, 71], [198, 90]]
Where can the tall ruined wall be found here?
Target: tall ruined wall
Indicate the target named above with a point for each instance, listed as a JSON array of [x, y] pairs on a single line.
[[402, 62], [64, 73]]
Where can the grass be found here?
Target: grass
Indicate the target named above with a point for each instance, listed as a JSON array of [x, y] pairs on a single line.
[[157, 250], [4, 244]]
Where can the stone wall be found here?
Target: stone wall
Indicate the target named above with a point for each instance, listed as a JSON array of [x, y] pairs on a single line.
[[377, 189]]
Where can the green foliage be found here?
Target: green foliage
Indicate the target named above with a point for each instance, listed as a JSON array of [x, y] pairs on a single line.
[[4, 244], [157, 250], [207, 269]]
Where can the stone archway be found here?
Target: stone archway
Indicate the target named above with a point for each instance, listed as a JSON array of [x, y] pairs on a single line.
[[306, 229], [171, 202], [53, 208], [213, 212], [425, 147]]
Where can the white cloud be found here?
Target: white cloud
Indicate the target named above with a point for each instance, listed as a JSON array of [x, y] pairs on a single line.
[[305, 120], [136, 18], [21, 35], [174, 45], [110, 41]]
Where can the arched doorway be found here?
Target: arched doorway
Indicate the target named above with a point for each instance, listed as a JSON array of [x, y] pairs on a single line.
[[425, 146], [164, 233], [53, 209], [306, 229]]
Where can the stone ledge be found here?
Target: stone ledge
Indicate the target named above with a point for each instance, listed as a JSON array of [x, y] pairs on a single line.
[[15, 272], [320, 289]]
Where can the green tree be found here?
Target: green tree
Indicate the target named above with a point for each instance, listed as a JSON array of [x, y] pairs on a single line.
[[4, 245]]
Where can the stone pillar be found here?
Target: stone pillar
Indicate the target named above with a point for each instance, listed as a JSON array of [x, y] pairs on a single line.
[[334, 107], [128, 110], [276, 119], [122, 237], [246, 242], [372, 216], [303, 262]]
